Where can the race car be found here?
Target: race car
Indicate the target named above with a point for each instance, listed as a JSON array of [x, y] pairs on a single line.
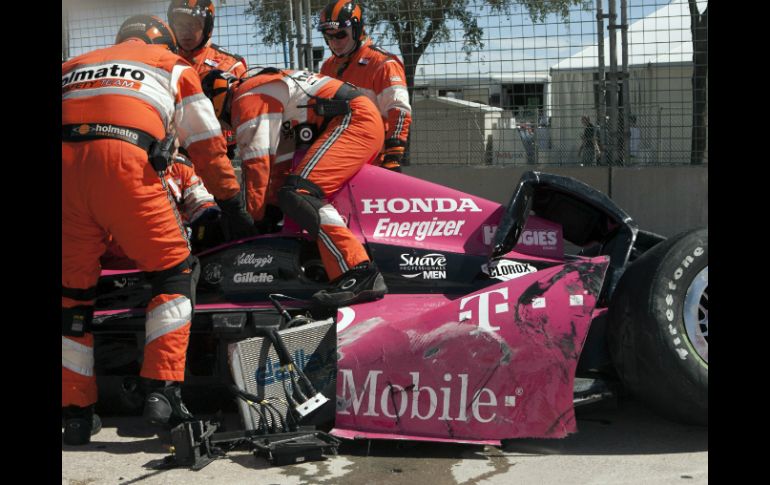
[[499, 320]]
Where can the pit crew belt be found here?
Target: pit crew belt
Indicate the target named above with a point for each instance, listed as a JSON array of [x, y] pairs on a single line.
[[100, 131]]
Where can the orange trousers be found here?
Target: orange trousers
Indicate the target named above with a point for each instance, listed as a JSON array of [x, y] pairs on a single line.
[[348, 143], [109, 187]]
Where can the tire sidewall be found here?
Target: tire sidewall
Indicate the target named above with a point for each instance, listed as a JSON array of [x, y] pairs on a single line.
[[648, 340]]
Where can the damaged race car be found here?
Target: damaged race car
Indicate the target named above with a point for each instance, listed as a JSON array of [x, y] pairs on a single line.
[[499, 320]]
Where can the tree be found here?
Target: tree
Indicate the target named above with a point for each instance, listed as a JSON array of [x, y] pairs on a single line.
[[413, 24], [699, 27]]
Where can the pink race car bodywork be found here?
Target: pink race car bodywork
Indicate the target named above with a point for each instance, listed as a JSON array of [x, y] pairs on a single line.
[[490, 356], [493, 364]]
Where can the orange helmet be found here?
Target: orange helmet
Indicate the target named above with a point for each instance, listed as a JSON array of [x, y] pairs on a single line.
[[343, 13], [148, 28], [217, 86], [196, 8]]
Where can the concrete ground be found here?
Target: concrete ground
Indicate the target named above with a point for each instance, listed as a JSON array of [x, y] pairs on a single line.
[[625, 444]]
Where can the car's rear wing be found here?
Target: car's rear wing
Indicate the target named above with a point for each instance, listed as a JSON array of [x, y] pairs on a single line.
[[587, 216]]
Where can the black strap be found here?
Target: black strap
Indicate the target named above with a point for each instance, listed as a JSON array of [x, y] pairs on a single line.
[[188, 263], [100, 131], [80, 294], [347, 92]]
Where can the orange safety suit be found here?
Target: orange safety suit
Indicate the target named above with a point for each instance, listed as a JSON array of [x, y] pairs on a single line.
[[113, 95], [267, 105], [210, 57], [380, 76], [192, 201]]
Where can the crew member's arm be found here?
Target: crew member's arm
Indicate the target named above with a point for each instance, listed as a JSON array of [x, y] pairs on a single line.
[[195, 200], [393, 103], [258, 118], [200, 135]]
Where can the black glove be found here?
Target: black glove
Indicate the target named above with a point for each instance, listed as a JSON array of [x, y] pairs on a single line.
[[271, 221], [206, 231], [236, 222]]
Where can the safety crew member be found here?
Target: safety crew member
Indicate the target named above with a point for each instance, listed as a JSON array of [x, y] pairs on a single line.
[[376, 73], [121, 107], [193, 23], [342, 131]]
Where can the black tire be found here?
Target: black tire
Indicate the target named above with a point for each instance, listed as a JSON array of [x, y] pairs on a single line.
[[658, 327]]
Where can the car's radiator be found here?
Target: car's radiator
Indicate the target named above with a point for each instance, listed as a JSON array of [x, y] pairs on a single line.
[[255, 368]]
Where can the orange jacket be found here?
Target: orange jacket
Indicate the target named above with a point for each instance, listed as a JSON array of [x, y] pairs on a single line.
[[212, 56], [380, 76], [190, 194], [146, 87], [264, 109]]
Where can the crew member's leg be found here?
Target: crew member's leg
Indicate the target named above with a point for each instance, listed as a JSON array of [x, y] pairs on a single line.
[[347, 144], [152, 234]]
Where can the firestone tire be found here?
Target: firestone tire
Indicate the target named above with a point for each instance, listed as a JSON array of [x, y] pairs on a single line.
[[658, 335]]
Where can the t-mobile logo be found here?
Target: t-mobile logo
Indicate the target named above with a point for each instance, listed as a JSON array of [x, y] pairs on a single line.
[[484, 305]]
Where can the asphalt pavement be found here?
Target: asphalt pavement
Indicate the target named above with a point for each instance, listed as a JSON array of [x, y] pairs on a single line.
[[616, 444]]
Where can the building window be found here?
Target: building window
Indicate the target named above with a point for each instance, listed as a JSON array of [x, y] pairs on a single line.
[[524, 100]]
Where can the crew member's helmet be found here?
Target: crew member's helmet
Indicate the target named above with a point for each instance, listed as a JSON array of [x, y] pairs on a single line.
[[148, 28], [217, 86], [197, 8], [343, 13]]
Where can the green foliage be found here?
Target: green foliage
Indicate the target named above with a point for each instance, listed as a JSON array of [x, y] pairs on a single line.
[[414, 24]]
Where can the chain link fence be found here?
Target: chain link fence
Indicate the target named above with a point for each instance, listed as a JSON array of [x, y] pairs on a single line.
[[493, 86]]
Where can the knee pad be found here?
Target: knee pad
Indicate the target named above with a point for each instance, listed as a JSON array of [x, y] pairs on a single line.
[[302, 200], [180, 279]]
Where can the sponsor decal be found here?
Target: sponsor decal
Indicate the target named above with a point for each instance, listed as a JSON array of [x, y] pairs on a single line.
[[211, 62], [251, 259], [418, 230], [576, 300], [545, 239], [484, 305], [416, 205], [212, 273], [539, 237], [452, 401], [252, 277], [507, 269], [489, 233], [345, 316], [273, 372], [395, 79], [107, 130], [114, 75], [429, 266], [483, 308]]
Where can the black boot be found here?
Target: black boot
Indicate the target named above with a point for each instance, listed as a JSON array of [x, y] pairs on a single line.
[[80, 424], [163, 405], [362, 283]]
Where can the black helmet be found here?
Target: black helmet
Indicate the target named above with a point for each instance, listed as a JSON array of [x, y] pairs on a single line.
[[217, 86], [196, 8], [148, 28], [343, 13]]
